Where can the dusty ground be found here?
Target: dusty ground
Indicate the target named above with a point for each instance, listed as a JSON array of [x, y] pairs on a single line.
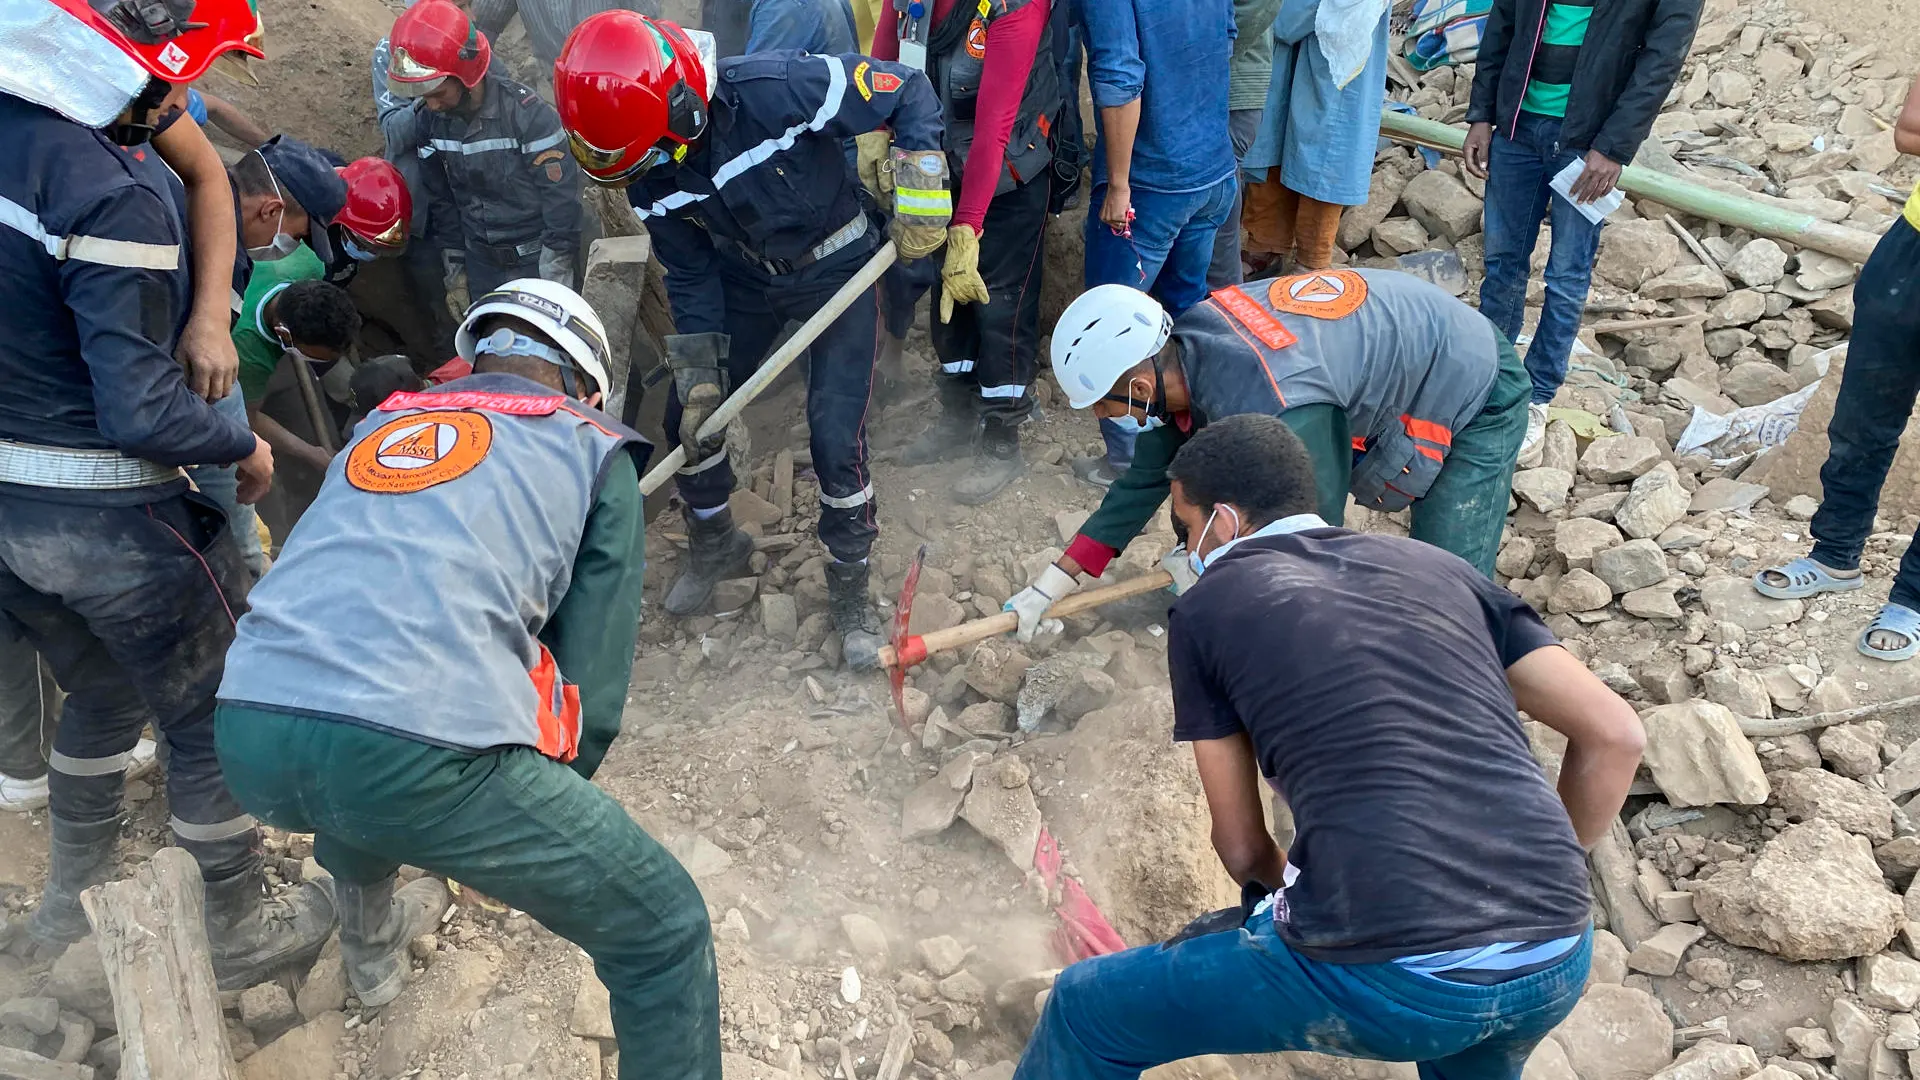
[[789, 791]]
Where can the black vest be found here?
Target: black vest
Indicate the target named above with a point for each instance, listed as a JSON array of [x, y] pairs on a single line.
[[956, 56]]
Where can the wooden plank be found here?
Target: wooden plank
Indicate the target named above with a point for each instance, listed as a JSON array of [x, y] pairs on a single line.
[[1615, 870], [154, 944]]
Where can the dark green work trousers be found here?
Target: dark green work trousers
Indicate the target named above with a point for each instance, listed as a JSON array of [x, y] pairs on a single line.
[[516, 826], [1465, 508]]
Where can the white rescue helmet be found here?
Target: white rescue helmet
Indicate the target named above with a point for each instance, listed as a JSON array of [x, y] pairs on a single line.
[[1101, 336], [558, 312]]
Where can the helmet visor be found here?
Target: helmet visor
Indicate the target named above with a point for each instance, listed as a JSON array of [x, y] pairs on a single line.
[[389, 242], [602, 166]]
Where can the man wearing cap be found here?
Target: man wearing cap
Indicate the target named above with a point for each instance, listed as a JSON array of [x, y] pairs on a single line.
[[117, 573], [1404, 396], [489, 534], [504, 193]]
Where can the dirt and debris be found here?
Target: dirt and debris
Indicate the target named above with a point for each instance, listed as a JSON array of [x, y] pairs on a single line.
[[872, 889]]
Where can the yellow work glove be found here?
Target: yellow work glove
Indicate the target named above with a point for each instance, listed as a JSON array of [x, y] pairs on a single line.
[[960, 281], [922, 205], [872, 152]]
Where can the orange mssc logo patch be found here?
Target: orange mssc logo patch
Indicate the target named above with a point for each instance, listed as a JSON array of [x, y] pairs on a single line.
[[414, 453]]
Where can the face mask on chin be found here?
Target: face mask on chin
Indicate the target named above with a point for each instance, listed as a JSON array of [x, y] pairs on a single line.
[[1127, 422]]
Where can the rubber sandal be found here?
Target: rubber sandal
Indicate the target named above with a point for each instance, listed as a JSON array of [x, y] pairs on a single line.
[[1804, 578], [1900, 620]]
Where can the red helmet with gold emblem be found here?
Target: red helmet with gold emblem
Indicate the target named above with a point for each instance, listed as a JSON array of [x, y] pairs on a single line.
[[632, 93], [379, 208]]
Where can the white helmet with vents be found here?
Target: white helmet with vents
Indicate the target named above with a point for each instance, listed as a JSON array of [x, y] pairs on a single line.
[[1101, 336]]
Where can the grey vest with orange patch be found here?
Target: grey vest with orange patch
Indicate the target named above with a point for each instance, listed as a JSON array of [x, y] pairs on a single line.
[[412, 594], [1410, 365]]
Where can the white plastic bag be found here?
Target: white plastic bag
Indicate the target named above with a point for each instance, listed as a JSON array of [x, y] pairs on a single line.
[[1344, 29]]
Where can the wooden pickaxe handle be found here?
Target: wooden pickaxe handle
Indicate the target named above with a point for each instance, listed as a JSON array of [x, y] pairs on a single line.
[[920, 646]]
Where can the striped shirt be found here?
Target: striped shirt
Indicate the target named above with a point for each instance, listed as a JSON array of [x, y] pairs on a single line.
[[1551, 79], [548, 22]]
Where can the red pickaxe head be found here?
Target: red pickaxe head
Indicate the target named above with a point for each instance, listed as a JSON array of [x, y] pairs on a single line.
[[908, 649]]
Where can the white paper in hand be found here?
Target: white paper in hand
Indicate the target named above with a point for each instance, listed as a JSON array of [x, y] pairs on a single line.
[[1595, 211]]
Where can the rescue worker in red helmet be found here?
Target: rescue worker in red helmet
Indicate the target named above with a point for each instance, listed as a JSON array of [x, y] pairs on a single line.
[[122, 578], [502, 192], [373, 222], [739, 170]]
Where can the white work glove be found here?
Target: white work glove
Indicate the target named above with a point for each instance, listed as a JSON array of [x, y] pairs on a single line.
[[1177, 565], [1052, 586]]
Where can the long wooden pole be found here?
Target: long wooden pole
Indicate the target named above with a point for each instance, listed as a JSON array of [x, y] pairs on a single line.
[[782, 358], [1793, 226]]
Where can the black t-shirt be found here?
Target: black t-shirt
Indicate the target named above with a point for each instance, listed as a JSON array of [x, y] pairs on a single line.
[[1370, 673]]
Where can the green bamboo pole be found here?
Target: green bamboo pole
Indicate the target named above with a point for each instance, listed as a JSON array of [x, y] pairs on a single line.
[[1804, 230]]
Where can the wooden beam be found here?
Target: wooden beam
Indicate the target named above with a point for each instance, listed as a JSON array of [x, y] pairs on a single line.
[[154, 944]]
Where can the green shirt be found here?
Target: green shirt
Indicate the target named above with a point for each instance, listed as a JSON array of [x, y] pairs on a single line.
[[1551, 78], [256, 343], [1134, 497], [1251, 68], [592, 632]]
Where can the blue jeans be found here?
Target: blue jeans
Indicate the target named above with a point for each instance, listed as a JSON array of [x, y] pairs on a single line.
[[1877, 392], [221, 483], [1246, 992], [1168, 256], [1518, 197]]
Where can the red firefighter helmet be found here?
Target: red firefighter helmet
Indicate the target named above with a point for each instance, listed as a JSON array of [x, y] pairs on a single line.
[[175, 40], [632, 93], [434, 41], [379, 208]]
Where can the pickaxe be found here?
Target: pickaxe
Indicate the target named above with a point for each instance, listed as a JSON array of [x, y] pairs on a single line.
[[908, 649]]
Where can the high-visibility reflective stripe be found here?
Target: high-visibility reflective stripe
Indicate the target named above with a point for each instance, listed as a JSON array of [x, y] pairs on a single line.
[[858, 498], [689, 470], [1014, 391], [90, 249], [1430, 452], [219, 830], [454, 146], [547, 143], [931, 202], [100, 766], [957, 367], [1438, 434], [829, 108]]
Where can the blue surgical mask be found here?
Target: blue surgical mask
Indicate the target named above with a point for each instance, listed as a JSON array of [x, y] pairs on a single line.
[[1197, 561], [1126, 422], [354, 251]]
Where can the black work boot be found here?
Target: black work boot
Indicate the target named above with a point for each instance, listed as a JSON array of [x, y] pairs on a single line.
[[716, 551], [82, 857], [951, 429], [996, 462], [853, 615], [376, 924], [254, 937]]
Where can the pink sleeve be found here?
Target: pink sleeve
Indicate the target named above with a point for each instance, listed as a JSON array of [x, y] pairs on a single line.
[[1011, 44]]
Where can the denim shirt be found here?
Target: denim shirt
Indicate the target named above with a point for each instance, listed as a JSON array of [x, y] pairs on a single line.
[[1187, 45]]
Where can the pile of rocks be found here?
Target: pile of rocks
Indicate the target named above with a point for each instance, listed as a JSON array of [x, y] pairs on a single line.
[[1769, 106]]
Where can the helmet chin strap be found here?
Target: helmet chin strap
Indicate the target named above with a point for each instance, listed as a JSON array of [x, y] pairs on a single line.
[[137, 130]]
